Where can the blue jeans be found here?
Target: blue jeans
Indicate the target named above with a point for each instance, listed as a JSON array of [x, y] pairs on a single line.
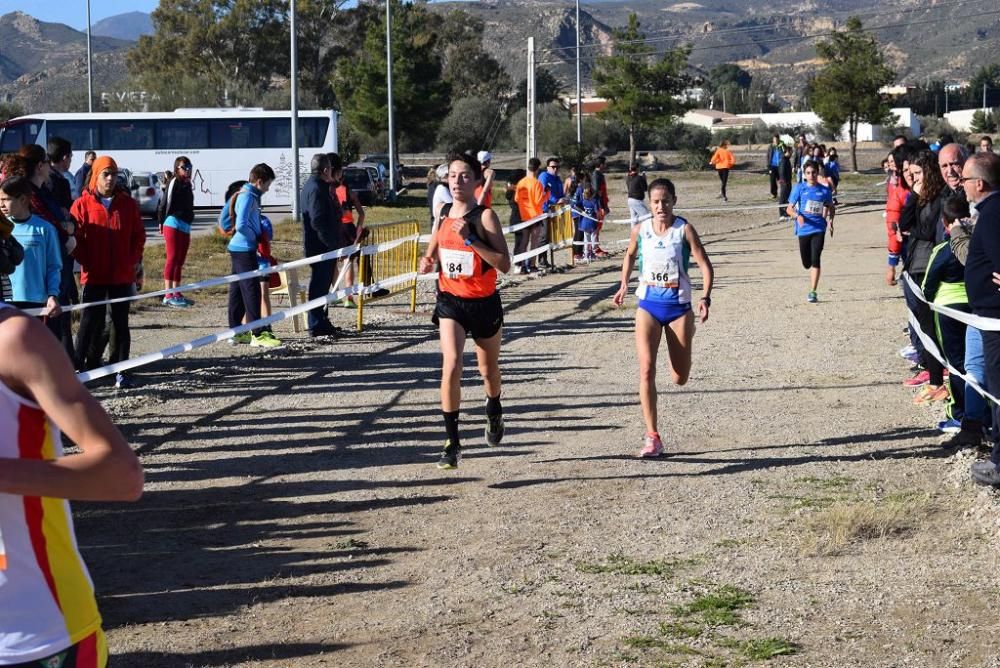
[[975, 367]]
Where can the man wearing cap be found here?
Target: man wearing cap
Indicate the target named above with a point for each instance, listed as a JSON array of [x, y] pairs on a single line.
[[484, 191]]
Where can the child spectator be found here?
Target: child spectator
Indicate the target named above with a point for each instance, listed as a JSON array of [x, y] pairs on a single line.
[[832, 169], [590, 206], [35, 281]]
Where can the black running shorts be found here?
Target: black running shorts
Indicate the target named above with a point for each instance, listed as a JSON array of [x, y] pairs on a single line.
[[481, 318], [810, 249]]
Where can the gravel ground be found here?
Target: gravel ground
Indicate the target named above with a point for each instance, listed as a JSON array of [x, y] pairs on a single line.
[[294, 517]]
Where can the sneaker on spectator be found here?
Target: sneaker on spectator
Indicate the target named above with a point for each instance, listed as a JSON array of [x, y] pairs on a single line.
[[928, 394], [950, 426], [811, 297], [187, 302], [652, 446], [265, 340], [122, 382], [176, 302], [985, 473], [965, 438], [907, 351], [241, 339], [922, 378]]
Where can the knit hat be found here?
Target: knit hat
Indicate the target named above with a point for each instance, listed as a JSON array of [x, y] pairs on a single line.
[[100, 164]]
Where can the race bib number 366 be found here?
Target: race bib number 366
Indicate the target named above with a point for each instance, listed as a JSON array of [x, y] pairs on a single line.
[[661, 274], [455, 263]]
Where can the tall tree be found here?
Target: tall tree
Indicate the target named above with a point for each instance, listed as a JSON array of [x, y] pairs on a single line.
[[468, 68], [420, 95], [846, 89], [547, 89], [229, 47], [642, 89]]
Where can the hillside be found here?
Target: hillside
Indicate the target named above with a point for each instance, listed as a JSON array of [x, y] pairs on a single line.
[[44, 65], [931, 39], [129, 26]]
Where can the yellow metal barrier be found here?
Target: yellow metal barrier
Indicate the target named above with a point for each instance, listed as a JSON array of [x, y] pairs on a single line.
[[397, 261], [561, 232]]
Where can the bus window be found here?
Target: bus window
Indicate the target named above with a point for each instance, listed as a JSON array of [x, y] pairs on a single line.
[[126, 135], [83, 135], [236, 133], [312, 132], [18, 133], [182, 135]]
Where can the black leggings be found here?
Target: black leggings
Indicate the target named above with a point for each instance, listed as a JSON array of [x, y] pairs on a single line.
[[92, 325], [810, 249], [724, 178]]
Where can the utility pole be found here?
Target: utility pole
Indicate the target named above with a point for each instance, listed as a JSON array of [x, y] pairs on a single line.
[[388, 82], [295, 113], [90, 67], [984, 97], [530, 144], [723, 100], [579, 94], [946, 98]]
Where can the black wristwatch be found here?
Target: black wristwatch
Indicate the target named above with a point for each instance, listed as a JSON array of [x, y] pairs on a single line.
[[707, 300]]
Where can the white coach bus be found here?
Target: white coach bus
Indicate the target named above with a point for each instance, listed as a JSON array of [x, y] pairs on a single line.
[[223, 144]]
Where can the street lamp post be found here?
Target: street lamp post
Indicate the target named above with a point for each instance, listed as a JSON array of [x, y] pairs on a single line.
[[295, 112], [90, 67], [388, 83]]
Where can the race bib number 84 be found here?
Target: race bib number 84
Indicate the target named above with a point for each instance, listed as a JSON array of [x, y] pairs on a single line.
[[455, 263]]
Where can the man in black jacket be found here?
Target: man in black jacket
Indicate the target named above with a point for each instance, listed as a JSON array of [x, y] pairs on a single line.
[[981, 180], [321, 233]]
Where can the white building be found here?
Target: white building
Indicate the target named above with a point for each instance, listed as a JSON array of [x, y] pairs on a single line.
[[961, 120]]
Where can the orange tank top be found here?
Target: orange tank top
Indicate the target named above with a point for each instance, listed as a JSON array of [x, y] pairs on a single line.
[[488, 200], [462, 272], [344, 196]]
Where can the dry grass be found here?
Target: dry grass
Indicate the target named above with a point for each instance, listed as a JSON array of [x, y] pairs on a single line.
[[835, 529]]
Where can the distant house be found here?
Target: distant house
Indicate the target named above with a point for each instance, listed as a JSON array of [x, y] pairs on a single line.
[[961, 119], [716, 120], [590, 105]]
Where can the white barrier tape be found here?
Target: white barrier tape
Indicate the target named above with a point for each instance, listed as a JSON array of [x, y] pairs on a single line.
[[931, 346], [977, 321], [527, 255], [212, 282], [200, 342]]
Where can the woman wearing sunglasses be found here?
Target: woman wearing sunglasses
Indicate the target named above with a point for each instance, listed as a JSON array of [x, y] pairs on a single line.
[[175, 214]]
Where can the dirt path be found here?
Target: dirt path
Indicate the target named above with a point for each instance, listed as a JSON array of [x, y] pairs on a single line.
[[294, 517]]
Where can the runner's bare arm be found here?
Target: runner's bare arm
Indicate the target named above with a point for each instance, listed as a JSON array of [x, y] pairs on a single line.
[[34, 365], [494, 250], [427, 259], [627, 264], [356, 203], [705, 265], [487, 186]]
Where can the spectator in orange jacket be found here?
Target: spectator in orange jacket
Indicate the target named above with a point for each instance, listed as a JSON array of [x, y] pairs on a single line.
[[530, 196], [110, 240], [723, 161]]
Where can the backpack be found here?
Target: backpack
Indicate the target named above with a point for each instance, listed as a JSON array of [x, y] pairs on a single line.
[[164, 205], [227, 216]]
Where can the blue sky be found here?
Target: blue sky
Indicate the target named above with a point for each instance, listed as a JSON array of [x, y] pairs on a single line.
[[74, 12]]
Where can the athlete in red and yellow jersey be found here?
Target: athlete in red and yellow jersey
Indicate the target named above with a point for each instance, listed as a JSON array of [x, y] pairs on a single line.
[[469, 247], [48, 614]]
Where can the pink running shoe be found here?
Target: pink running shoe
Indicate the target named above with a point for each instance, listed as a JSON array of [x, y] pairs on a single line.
[[652, 446]]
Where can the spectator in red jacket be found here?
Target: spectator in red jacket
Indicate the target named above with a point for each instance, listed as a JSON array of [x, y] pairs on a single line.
[[110, 240]]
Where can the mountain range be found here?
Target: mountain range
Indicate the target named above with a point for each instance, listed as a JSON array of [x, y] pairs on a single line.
[[42, 64]]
